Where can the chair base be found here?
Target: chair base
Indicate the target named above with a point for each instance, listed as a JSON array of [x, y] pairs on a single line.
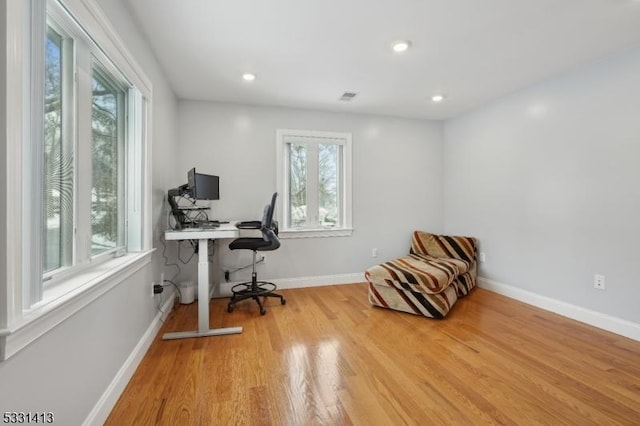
[[253, 289]]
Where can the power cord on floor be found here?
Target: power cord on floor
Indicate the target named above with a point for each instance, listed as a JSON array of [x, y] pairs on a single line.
[[176, 286], [166, 258], [162, 286]]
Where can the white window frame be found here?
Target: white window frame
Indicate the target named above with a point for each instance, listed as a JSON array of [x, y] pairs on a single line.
[[313, 138], [33, 309]]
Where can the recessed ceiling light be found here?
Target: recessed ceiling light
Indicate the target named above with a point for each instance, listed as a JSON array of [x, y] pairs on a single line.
[[248, 76], [437, 98], [401, 46]]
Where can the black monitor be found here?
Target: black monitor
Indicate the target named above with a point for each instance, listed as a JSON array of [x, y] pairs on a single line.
[[203, 187]]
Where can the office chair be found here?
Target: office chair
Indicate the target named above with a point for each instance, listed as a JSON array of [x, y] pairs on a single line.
[[255, 289]]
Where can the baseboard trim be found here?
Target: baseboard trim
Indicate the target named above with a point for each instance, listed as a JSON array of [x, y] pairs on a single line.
[[597, 319], [107, 401], [301, 282]]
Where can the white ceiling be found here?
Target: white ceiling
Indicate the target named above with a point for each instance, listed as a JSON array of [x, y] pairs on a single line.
[[306, 53]]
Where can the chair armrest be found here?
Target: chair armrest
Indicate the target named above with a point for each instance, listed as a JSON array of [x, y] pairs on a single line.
[[249, 224]]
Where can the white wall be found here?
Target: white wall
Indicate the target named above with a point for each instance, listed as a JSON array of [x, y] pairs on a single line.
[[397, 181], [67, 370], [3, 157], [549, 180]]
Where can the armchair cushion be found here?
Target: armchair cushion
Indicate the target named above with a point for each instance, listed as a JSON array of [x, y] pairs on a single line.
[[420, 273], [443, 246]]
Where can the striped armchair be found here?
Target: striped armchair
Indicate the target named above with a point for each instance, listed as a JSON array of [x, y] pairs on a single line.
[[438, 270]]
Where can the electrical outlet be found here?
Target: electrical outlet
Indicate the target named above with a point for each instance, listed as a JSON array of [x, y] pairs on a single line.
[[598, 282], [374, 252], [264, 259], [483, 257], [154, 290]]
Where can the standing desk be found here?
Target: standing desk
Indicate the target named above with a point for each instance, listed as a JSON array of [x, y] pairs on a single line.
[[225, 230]]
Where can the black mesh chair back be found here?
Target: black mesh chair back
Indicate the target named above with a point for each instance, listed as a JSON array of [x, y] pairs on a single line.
[[269, 227]]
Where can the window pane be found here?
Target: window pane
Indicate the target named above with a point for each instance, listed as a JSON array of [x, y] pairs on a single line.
[[298, 184], [328, 176], [107, 197], [58, 163]]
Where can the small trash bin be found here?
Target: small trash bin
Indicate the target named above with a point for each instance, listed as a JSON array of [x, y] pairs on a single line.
[[187, 292]]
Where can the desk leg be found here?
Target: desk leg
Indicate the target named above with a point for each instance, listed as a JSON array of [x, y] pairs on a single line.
[[203, 301], [203, 285]]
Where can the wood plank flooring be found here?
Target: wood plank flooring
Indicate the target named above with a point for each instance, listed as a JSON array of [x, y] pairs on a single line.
[[329, 358]]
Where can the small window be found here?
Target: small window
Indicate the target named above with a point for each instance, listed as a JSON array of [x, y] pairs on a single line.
[[314, 178]]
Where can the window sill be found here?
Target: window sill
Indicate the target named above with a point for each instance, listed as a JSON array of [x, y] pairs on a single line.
[[65, 299], [314, 233]]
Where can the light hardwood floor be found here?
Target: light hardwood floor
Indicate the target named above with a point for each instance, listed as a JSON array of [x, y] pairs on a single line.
[[328, 357]]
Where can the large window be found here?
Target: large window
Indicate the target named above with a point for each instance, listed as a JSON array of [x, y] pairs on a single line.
[[81, 222], [314, 179], [89, 149]]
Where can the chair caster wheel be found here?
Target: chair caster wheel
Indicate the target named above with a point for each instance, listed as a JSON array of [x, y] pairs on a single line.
[[283, 301], [263, 311], [229, 308]]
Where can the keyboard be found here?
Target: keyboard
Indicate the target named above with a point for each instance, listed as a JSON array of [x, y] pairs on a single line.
[[208, 225], [200, 225]]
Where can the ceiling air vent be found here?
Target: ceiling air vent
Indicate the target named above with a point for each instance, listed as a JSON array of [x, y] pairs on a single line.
[[347, 96]]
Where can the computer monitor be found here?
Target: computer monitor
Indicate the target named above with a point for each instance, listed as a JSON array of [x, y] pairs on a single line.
[[203, 187]]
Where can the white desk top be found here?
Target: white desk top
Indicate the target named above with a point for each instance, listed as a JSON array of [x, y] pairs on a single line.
[[225, 230]]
